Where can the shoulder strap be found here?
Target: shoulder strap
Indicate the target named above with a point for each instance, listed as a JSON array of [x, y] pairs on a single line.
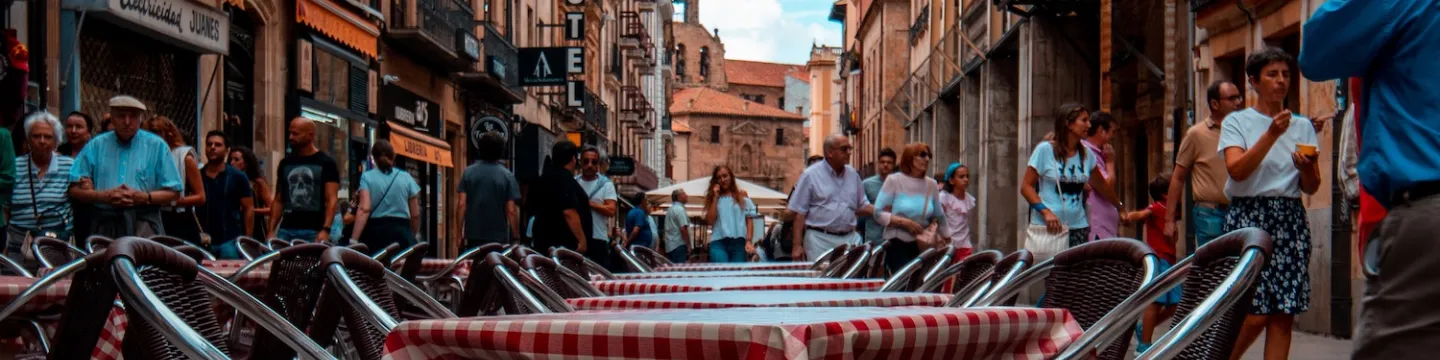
[[393, 175]]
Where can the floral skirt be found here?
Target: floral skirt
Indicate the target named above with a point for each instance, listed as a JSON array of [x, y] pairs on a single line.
[[1284, 283]]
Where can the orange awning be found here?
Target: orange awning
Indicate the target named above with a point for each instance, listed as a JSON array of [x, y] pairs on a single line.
[[336, 22], [418, 146], [238, 4]]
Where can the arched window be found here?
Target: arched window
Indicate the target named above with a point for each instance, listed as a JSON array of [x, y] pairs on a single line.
[[705, 63], [680, 60]]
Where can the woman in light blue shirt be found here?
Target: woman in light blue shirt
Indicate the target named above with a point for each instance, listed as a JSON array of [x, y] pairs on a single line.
[[1268, 173], [389, 202], [1057, 174], [727, 209]]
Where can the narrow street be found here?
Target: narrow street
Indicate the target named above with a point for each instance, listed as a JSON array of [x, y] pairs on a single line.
[[1307, 346]]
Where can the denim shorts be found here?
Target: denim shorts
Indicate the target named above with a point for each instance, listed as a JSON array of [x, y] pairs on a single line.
[[1209, 224]]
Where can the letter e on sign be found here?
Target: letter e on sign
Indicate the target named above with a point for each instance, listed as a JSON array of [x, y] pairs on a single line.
[[575, 60]]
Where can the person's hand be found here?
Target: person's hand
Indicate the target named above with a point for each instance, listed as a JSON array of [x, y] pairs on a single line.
[[1320, 121], [115, 197], [1052, 222], [1280, 123], [797, 253], [582, 247], [1170, 229], [1108, 152], [322, 236], [1305, 162], [715, 189], [749, 248], [912, 227]]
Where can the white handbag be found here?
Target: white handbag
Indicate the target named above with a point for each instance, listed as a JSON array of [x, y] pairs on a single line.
[[1044, 244]]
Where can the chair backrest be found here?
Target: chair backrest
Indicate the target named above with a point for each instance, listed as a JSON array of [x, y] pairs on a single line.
[[875, 266], [649, 257], [1210, 269], [277, 244], [822, 262], [54, 252], [1008, 270], [362, 248], [962, 272], [12, 268], [294, 242], [1092, 279], [170, 241], [474, 255], [97, 243], [579, 264], [170, 276], [910, 277], [411, 259], [250, 248], [499, 283], [356, 284], [518, 252], [566, 284], [293, 290], [850, 264], [626, 257], [386, 255]]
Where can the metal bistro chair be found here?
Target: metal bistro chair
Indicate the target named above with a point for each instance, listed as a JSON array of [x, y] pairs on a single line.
[[1219, 282], [445, 285], [910, 277], [97, 243], [500, 284], [1001, 276], [649, 257], [875, 266], [823, 261], [518, 252], [292, 290], [13, 268], [277, 244], [626, 257], [1091, 281], [579, 264], [172, 241], [850, 264], [386, 255], [410, 260], [567, 284], [251, 248], [30, 326], [964, 272], [166, 320], [362, 248], [365, 292], [54, 252]]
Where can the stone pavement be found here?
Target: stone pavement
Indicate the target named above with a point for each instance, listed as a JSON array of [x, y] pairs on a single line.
[[1305, 346]]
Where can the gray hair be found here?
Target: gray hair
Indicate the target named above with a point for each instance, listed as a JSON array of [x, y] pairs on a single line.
[[832, 139], [48, 118]]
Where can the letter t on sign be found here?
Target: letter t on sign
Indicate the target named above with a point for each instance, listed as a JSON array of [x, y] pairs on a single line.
[[574, 26], [575, 60]]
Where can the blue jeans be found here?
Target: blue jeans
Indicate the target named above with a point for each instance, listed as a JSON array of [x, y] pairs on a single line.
[[679, 255], [1209, 224], [226, 251], [727, 250], [302, 234]]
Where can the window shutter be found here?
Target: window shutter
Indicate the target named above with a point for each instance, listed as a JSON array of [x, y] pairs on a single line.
[[359, 89]]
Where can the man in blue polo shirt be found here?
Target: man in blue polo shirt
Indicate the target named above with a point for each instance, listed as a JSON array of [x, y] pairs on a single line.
[[127, 173], [1393, 45]]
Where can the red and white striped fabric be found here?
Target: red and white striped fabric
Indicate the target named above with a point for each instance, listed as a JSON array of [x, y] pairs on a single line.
[[762, 298], [225, 264], [110, 338], [749, 333], [749, 266], [676, 285], [729, 273]]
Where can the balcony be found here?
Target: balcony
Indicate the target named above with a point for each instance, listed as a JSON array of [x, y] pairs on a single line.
[[635, 37], [636, 109], [436, 32], [644, 179], [596, 113], [645, 5], [497, 77], [1053, 8], [667, 68]]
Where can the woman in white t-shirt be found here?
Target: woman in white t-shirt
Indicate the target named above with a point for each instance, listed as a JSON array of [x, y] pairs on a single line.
[[1267, 175], [1057, 174]]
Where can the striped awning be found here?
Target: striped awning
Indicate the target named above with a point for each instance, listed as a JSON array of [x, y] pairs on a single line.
[[340, 24]]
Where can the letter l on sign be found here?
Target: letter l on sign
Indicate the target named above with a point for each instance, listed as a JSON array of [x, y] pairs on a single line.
[[574, 97]]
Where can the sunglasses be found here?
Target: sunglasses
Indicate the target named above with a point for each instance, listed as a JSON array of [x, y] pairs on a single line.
[[589, 162], [924, 155]]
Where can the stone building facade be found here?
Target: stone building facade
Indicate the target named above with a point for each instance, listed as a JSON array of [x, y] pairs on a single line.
[[762, 144]]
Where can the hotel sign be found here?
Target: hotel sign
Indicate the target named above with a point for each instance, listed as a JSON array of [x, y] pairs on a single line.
[[191, 25]]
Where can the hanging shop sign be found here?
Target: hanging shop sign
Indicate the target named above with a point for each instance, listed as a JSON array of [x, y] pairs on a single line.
[[397, 104], [548, 66], [479, 126], [184, 23], [418, 146]]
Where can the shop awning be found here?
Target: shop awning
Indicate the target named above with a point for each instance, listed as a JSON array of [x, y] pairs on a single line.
[[418, 146], [238, 4], [336, 22]]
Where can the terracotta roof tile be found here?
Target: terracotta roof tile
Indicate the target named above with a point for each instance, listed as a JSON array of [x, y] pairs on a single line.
[[801, 73], [757, 73], [680, 126], [704, 100]]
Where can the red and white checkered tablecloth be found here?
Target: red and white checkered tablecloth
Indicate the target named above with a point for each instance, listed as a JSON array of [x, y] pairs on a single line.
[[748, 333], [761, 298], [225, 264], [55, 295], [706, 274], [748, 266], [675, 285]]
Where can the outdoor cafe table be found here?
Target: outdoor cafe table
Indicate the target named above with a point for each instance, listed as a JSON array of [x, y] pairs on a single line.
[[55, 295], [744, 333], [747, 266], [676, 285], [760, 298], [730, 273]]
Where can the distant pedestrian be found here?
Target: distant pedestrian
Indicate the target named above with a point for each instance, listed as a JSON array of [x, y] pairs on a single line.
[[244, 159], [127, 173], [1393, 45], [561, 208], [40, 206], [600, 191], [726, 210], [389, 206], [828, 197], [638, 231], [1153, 217], [488, 198], [79, 128], [958, 205], [884, 166], [1104, 212], [677, 228], [179, 215], [1209, 173], [229, 199], [1056, 177], [909, 207], [307, 189]]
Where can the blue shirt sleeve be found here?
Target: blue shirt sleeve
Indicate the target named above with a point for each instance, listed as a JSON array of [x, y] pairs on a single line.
[[1343, 37], [800, 198], [1041, 157], [412, 188]]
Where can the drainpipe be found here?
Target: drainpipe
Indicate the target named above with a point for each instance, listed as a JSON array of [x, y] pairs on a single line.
[[1341, 304], [70, 22]]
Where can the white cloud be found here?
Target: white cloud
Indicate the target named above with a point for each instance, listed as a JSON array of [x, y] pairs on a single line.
[[763, 30]]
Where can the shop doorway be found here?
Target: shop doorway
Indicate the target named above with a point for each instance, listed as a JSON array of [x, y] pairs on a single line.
[[238, 109]]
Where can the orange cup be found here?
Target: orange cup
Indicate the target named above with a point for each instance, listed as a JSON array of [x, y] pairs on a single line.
[[1306, 149]]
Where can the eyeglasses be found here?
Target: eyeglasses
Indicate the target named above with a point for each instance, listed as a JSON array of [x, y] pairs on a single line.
[[924, 155], [1236, 98]]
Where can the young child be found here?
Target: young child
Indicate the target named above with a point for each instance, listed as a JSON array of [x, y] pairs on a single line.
[[1154, 218], [957, 205]]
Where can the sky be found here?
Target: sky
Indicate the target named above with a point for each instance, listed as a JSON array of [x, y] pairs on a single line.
[[770, 30]]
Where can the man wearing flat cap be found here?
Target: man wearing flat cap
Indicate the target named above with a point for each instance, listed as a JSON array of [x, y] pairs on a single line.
[[127, 173]]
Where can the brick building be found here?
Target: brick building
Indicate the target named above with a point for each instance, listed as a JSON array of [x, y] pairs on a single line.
[[761, 143]]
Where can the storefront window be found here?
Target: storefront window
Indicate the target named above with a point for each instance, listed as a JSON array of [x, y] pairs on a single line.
[[332, 83], [331, 138]]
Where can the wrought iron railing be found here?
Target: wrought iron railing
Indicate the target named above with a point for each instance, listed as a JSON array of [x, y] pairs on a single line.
[[501, 58], [439, 19]]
